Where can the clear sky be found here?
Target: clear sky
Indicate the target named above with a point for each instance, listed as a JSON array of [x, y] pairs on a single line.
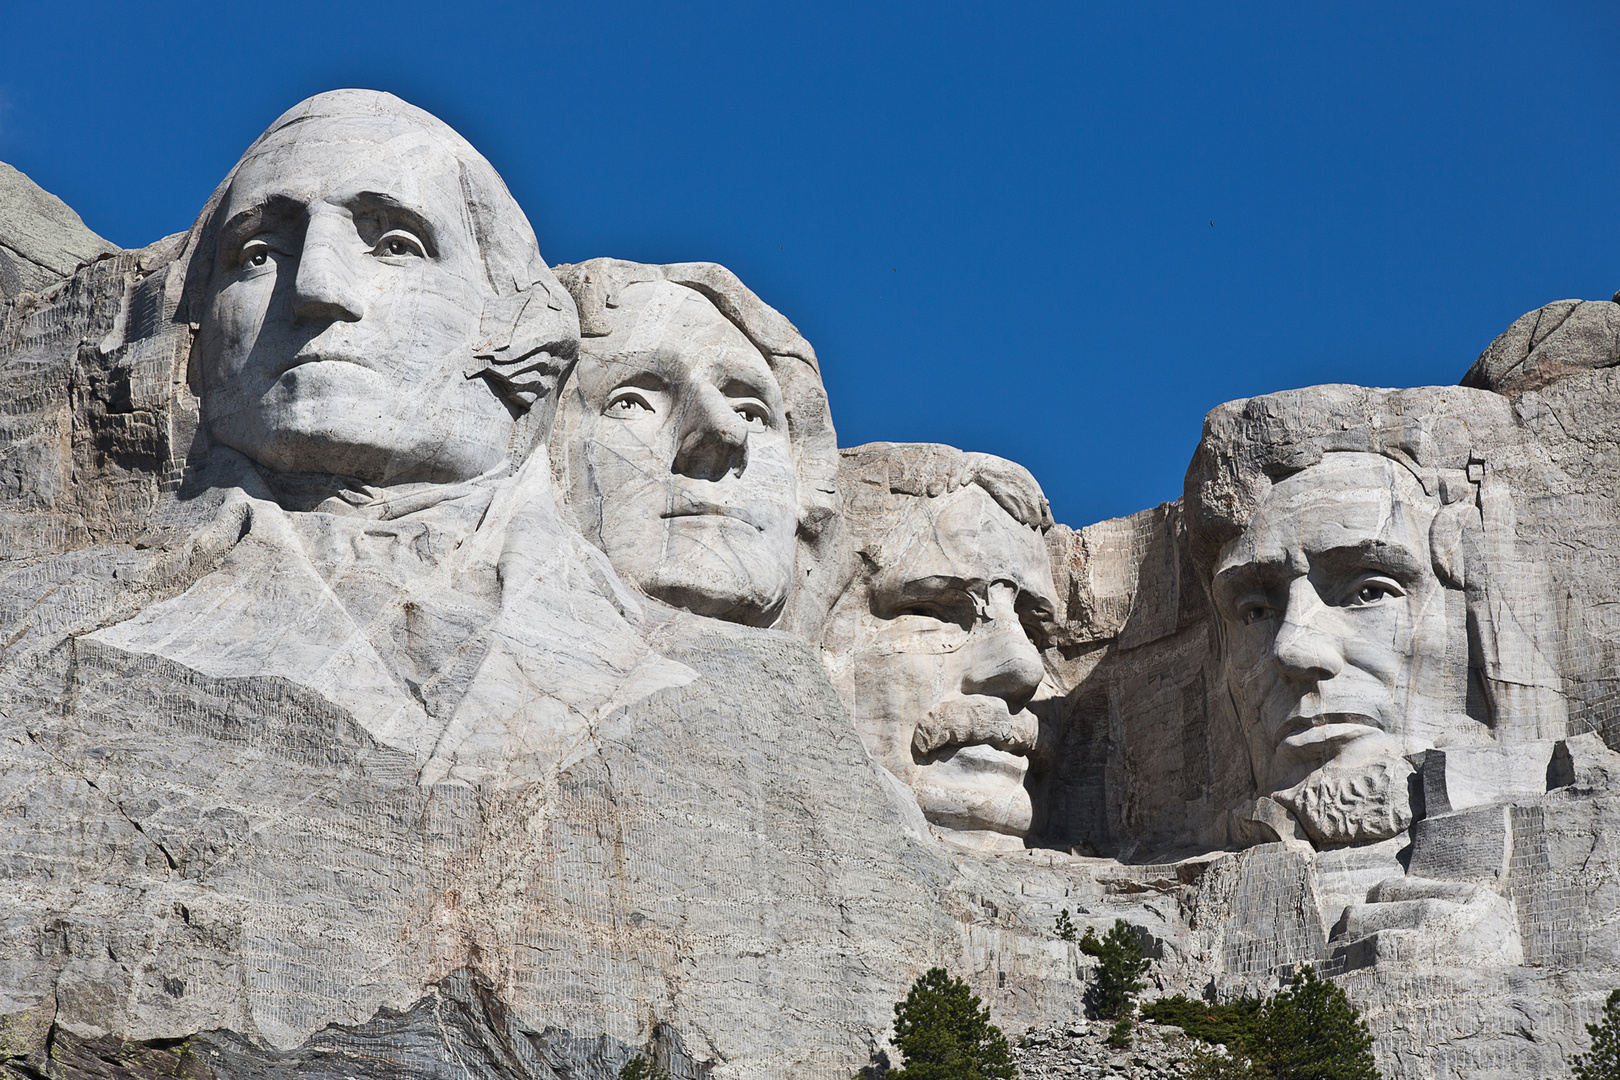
[[1057, 232]]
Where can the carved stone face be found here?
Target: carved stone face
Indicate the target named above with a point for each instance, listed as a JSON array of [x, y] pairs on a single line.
[[943, 663], [1344, 651], [684, 469], [344, 303]]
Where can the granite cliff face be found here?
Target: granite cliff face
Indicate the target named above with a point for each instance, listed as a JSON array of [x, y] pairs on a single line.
[[422, 660]]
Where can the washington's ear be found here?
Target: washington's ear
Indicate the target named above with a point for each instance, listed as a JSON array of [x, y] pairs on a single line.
[[527, 342]]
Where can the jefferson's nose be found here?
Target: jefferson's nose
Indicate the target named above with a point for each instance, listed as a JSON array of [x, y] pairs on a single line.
[[1306, 647], [326, 288], [713, 440], [1001, 660]]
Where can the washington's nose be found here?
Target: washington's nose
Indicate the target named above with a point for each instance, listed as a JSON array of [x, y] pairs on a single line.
[[1305, 646], [713, 438], [325, 289], [1002, 662]]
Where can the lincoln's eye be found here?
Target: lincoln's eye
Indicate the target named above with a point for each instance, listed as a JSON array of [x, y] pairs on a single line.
[[1372, 592], [1253, 613]]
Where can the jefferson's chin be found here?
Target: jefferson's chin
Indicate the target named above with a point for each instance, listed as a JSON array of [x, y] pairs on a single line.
[[703, 581], [973, 790]]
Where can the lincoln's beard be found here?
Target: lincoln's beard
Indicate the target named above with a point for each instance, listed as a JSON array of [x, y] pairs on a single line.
[[1350, 804]]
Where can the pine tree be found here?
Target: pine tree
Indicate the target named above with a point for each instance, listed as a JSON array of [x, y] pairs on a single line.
[[1602, 1060], [639, 1068], [1312, 1032], [1064, 927], [1120, 969], [943, 1034]]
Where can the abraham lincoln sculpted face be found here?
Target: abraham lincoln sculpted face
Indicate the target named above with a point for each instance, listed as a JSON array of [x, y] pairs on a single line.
[[347, 285], [1344, 652]]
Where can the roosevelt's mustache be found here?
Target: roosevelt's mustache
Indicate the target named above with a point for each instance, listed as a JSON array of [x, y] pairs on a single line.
[[963, 720]]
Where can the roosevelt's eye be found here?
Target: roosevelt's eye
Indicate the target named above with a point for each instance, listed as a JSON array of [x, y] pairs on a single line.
[[627, 404], [399, 243], [254, 253], [1251, 613]]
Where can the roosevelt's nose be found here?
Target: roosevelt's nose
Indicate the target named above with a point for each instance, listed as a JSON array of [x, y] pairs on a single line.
[[713, 439], [1001, 661], [1307, 646], [326, 288]]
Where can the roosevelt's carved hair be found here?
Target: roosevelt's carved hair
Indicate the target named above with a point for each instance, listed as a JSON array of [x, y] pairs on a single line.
[[881, 470], [1449, 439], [530, 329]]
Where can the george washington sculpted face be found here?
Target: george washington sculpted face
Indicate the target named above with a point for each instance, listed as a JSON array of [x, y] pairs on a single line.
[[343, 305]]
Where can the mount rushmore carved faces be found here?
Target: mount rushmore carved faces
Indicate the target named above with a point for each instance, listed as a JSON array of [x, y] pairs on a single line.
[[933, 648], [344, 278]]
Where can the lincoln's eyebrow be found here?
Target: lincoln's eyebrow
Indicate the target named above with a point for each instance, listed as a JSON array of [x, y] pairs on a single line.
[[1372, 554]]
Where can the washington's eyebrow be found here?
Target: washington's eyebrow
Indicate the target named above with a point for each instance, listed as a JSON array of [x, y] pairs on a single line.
[[396, 212], [244, 224]]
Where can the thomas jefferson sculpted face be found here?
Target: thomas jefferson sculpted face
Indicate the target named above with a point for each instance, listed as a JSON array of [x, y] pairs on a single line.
[[1342, 652], [346, 294], [684, 473]]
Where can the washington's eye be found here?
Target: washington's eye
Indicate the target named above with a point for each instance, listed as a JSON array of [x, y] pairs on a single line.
[[255, 253], [627, 403], [399, 243]]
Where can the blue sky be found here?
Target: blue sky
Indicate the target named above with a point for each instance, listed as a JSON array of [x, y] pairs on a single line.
[[1056, 232]]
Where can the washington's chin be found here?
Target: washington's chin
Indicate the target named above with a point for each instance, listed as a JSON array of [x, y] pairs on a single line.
[[976, 789]]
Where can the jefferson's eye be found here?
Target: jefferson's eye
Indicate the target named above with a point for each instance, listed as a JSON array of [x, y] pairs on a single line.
[[755, 414], [627, 403], [398, 243], [255, 253]]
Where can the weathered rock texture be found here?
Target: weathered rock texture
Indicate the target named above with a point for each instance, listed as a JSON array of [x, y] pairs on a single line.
[[383, 694], [42, 240]]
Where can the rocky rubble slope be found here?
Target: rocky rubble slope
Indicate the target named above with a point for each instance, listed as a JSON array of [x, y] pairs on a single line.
[[1080, 1049]]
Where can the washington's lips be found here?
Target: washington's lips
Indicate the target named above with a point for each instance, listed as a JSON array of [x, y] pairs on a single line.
[[306, 356], [707, 510]]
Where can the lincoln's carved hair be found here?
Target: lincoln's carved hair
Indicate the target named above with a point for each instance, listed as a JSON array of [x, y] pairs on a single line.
[[530, 329], [1449, 439]]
